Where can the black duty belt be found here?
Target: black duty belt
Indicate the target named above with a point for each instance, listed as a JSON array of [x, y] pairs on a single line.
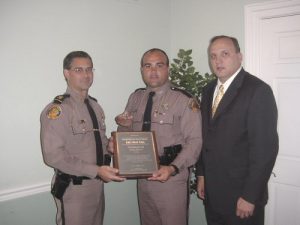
[[78, 180]]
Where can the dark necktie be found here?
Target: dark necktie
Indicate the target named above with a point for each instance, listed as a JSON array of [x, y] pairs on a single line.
[[147, 113], [99, 150]]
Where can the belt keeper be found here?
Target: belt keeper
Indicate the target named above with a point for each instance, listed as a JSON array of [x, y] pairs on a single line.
[[77, 181]]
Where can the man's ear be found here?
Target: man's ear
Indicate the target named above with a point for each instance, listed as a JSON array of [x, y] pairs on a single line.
[[66, 74], [240, 57]]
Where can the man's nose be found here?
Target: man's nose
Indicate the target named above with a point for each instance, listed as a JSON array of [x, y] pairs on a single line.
[[153, 68]]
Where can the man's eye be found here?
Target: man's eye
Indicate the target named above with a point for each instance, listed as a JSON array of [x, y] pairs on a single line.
[[89, 70], [78, 70], [225, 54]]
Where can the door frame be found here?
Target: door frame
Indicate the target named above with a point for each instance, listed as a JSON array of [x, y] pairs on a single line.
[[254, 15]]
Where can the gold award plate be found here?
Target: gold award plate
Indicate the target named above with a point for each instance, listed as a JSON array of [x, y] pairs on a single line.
[[135, 154]]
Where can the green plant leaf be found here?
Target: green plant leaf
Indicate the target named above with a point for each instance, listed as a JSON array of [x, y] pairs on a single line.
[[185, 76]]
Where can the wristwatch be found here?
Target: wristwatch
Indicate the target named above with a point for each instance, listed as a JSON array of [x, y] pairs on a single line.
[[176, 170]]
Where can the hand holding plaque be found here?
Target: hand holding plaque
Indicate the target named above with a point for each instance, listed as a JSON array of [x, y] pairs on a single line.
[[135, 154]]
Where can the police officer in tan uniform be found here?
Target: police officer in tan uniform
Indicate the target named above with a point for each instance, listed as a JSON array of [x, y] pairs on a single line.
[[176, 120], [74, 144]]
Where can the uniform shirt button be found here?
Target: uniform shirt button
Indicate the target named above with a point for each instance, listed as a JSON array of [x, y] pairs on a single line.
[[83, 130], [161, 122]]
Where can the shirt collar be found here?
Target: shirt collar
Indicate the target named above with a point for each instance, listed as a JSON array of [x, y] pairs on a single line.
[[227, 83], [74, 95], [161, 90]]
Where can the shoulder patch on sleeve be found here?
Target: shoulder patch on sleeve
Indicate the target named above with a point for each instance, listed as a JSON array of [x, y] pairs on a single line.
[[140, 89], [182, 91], [54, 112], [60, 98], [194, 105]]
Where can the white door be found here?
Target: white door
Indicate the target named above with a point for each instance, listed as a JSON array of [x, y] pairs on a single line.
[[278, 64], [280, 67]]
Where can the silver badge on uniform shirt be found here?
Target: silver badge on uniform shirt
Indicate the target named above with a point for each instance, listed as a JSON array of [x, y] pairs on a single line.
[[161, 109], [165, 106]]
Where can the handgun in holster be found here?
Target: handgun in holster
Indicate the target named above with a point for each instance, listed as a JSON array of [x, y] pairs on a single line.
[[60, 185], [170, 153]]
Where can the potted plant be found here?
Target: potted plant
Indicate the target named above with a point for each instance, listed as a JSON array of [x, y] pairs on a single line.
[[184, 75]]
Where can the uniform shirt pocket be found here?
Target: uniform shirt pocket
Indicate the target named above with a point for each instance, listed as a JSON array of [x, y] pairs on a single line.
[[167, 129], [81, 127]]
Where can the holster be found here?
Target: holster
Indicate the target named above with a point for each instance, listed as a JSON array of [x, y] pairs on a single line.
[[170, 153], [60, 185], [107, 159]]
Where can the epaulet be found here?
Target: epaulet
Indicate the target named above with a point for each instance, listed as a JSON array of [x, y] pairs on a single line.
[[182, 91], [140, 89], [60, 98], [193, 102], [93, 98]]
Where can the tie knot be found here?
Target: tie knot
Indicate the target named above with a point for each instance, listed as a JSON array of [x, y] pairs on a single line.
[[221, 88], [86, 101], [151, 94]]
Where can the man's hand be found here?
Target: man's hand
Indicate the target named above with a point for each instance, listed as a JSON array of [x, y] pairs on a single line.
[[124, 119], [244, 209], [107, 174], [163, 174], [200, 187]]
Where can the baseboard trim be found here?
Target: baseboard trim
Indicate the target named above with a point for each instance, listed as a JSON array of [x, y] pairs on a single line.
[[24, 192]]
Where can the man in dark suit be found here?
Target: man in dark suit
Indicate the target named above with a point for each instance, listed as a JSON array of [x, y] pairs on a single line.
[[240, 141]]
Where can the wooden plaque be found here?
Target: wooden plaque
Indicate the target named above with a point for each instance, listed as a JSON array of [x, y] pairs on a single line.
[[135, 154]]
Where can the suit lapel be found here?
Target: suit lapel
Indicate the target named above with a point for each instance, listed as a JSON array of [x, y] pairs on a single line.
[[230, 94]]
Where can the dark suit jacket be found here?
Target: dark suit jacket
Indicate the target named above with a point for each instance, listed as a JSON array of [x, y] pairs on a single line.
[[240, 143]]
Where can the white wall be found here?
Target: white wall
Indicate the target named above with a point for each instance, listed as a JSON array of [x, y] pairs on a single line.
[[195, 22]]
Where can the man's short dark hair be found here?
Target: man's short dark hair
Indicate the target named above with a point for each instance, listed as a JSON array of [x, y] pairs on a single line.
[[233, 39], [72, 55], [155, 50]]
